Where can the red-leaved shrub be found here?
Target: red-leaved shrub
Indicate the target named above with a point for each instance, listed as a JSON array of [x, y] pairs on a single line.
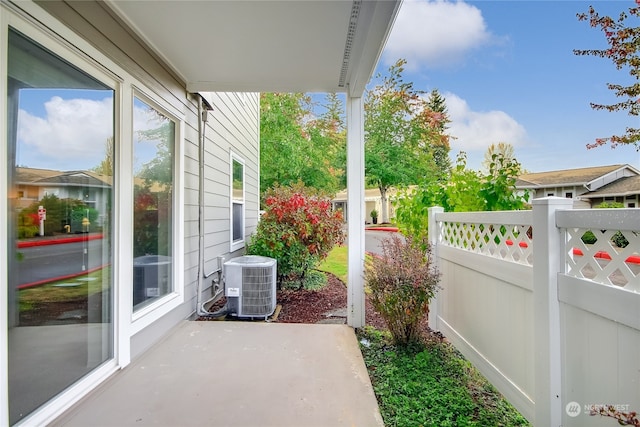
[[298, 229], [402, 281]]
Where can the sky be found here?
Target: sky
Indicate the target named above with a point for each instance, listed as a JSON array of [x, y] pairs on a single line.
[[506, 69], [508, 74]]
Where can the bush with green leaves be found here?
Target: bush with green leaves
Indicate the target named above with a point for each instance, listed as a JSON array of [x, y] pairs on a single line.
[[431, 385], [402, 281], [298, 229], [464, 191], [60, 212], [588, 238]]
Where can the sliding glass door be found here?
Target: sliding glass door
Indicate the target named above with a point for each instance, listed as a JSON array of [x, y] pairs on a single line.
[[60, 128]]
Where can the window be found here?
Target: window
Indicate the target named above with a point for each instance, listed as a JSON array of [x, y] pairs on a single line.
[[550, 194], [154, 136], [237, 203], [568, 195], [60, 322]]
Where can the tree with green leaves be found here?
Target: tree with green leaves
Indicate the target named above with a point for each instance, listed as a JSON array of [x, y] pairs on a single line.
[[297, 146], [400, 132], [106, 165], [441, 148], [624, 52], [328, 134]]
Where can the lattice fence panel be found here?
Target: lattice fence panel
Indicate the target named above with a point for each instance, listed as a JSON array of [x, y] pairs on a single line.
[[612, 259], [507, 242]]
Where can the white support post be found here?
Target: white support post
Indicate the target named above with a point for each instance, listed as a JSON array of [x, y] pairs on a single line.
[[434, 231], [355, 212], [547, 244]]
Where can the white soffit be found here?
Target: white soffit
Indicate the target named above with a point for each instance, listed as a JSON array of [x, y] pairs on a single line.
[[265, 45]]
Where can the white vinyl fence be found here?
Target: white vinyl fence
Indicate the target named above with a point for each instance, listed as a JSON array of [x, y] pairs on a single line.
[[552, 322]]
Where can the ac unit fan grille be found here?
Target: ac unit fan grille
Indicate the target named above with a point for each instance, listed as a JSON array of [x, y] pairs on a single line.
[[257, 293]]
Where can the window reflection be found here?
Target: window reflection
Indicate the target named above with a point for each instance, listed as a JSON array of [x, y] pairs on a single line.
[[237, 211], [154, 137], [60, 170]]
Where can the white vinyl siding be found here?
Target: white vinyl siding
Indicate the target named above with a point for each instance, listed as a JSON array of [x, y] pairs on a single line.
[[233, 126]]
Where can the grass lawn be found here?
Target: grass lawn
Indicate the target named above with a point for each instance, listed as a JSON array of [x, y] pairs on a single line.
[[427, 385], [336, 263], [65, 290]]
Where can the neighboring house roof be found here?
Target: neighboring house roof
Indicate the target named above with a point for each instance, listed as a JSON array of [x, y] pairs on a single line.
[[77, 178], [29, 175], [622, 187], [566, 177], [591, 178], [53, 178]]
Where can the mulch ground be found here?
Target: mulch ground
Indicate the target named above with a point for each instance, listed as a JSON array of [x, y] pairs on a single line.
[[304, 306]]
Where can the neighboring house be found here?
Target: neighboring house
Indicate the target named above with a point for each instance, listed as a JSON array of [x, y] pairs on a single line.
[[165, 97], [33, 184], [587, 187], [372, 200]]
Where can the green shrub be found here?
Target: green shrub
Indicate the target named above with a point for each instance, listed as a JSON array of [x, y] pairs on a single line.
[[589, 238], [619, 240], [402, 282], [465, 190], [610, 205], [312, 280], [60, 212], [28, 225], [298, 229]]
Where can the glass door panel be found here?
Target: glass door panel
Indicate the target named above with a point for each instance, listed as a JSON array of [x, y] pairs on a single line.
[[60, 174]]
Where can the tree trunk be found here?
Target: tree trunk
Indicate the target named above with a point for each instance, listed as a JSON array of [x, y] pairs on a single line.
[[383, 199]]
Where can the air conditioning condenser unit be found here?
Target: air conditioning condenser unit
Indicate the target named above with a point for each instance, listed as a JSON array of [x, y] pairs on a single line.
[[250, 286]]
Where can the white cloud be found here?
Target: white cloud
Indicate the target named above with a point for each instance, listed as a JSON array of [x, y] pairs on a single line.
[[71, 136], [431, 34], [73, 133], [475, 131]]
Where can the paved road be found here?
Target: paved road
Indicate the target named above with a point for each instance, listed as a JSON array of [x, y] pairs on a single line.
[[372, 240], [43, 262]]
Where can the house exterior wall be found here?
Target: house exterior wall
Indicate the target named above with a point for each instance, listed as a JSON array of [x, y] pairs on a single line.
[[232, 128], [559, 191], [627, 201], [562, 191]]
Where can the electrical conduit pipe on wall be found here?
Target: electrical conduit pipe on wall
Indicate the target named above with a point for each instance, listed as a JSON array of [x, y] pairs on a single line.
[[203, 112]]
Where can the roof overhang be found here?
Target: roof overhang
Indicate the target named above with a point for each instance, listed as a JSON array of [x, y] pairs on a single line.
[[265, 45]]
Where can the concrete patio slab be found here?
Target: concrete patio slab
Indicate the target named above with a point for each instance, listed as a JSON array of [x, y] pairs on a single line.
[[239, 373]]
